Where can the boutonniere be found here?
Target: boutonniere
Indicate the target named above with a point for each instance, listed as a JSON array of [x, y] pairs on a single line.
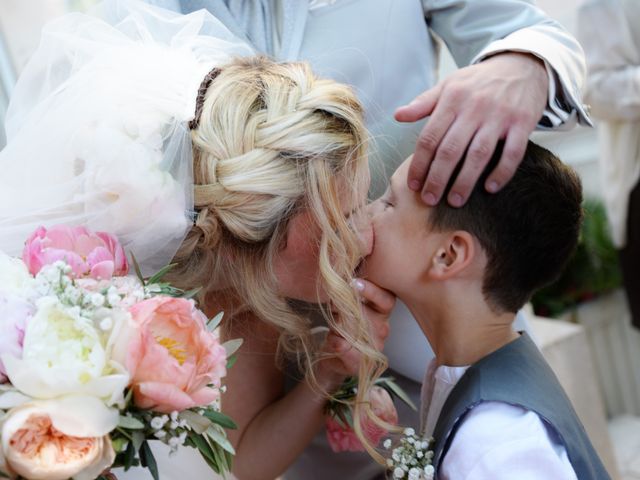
[[412, 457], [339, 414]]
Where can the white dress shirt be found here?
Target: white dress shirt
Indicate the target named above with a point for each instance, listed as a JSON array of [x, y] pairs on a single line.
[[495, 440]]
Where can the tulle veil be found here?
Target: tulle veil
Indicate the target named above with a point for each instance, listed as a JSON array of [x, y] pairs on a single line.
[[97, 130]]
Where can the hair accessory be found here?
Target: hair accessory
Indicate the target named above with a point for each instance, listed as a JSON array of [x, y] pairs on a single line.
[[202, 91]]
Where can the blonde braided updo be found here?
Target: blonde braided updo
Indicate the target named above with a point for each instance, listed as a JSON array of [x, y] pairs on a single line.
[[273, 140]]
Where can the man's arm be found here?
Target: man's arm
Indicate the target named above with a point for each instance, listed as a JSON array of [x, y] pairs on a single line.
[[503, 95]]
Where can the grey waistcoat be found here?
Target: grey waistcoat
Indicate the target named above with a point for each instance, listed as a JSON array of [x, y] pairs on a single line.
[[518, 374]]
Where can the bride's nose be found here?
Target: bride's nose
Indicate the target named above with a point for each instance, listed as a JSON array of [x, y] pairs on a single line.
[[364, 230]]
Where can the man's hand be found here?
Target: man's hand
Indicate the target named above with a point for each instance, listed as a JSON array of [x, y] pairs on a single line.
[[502, 97]]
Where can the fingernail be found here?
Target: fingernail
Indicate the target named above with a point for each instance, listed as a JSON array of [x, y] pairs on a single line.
[[357, 284], [455, 200], [414, 185], [430, 199], [492, 187]]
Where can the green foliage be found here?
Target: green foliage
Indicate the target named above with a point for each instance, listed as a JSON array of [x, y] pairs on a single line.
[[339, 406], [158, 287], [592, 271]]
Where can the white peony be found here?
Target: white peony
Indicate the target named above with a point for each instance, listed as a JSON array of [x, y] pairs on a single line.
[[58, 439], [64, 353], [14, 276]]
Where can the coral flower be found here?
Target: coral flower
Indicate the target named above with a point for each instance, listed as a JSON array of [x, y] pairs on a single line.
[[34, 448], [342, 438], [174, 361]]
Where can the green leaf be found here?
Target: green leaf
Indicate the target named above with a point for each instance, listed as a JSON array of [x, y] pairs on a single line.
[[229, 458], [129, 456], [395, 389], [231, 361], [128, 396], [213, 463], [221, 458], [189, 294], [148, 460], [124, 433], [137, 438], [196, 421], [218, 436], [136, 267], [220, 418], [130, 423], [161, 273], [205, 449], [232, 346], [215, 321]]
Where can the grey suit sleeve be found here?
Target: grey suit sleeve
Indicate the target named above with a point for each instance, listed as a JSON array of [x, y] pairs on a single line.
[[476, 29]]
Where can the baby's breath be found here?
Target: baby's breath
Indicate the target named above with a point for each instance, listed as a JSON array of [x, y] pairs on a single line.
[[411, 459]]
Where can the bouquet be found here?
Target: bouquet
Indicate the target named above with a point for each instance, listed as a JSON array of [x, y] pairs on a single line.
[[95, 363]]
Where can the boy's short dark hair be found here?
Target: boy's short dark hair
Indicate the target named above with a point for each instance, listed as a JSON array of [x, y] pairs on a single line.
[[528, 230]]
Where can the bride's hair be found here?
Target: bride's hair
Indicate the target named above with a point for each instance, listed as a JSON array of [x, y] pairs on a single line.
[[274, 140]]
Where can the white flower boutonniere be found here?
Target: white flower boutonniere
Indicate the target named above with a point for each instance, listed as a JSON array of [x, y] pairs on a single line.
[[412, 458]]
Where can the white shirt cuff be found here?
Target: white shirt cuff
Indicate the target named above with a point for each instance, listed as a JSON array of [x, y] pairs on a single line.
[[564, 62]]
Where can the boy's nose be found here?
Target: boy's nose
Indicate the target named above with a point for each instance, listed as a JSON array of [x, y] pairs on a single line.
[[364, 230]]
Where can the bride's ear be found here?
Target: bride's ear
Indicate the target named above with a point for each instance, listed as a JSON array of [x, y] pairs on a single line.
[[456, 251]]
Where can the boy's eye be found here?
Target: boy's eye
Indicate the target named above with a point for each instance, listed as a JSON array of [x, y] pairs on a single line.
[[386, 203]]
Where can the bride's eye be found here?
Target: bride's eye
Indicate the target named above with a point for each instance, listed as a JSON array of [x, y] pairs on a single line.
[[386, 203]]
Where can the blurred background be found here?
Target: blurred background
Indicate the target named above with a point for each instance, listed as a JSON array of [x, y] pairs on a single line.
[[582, 322]]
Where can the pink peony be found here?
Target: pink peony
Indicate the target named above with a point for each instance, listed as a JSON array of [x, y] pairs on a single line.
[[14, 315], [172, 357], [98, 255], [341, 438], [344, 439], [383, 407]]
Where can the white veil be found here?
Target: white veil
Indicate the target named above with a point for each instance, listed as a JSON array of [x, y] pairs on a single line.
[[97, 130]]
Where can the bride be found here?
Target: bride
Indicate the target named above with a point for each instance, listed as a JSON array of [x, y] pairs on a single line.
[[250, 175]]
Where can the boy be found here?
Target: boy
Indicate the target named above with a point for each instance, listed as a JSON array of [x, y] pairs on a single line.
[[489, 399]]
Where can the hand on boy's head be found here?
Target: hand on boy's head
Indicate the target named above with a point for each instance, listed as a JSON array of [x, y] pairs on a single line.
[[502, 97]]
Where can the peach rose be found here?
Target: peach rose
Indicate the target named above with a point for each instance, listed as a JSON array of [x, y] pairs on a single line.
[[172, 357], [98, 255], [34, 448], [342, 438]]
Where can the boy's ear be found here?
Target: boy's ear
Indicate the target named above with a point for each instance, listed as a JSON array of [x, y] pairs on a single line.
[[455, 253]]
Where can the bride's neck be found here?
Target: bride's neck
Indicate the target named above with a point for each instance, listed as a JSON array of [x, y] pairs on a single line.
[[223, 300]]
